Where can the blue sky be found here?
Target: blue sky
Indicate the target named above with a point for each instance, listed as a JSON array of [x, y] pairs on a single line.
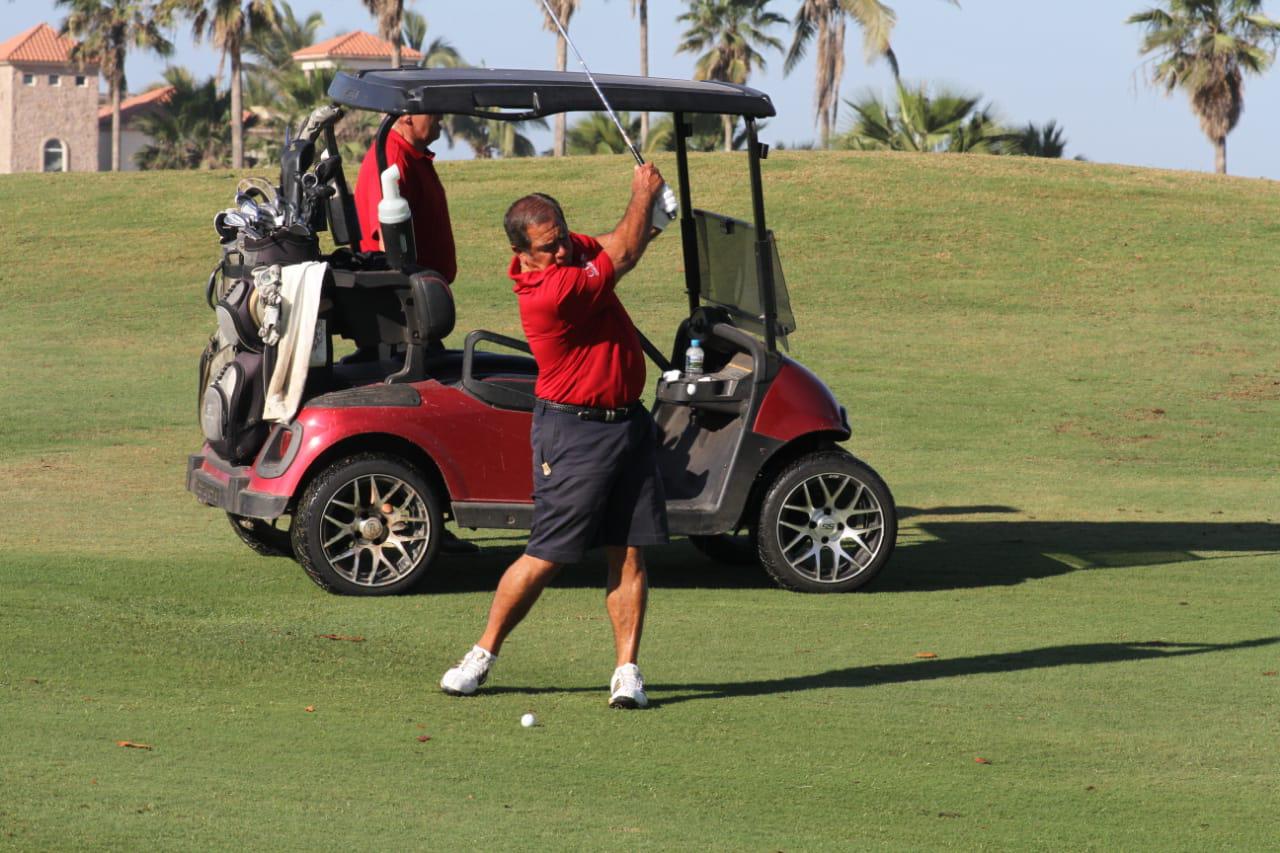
[[1077, 63]]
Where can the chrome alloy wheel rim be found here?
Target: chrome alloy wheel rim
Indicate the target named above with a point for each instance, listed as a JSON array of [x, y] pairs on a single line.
[[831, 528], [375, 529]]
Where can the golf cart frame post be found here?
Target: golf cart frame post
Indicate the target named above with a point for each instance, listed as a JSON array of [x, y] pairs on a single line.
[[688, 230]]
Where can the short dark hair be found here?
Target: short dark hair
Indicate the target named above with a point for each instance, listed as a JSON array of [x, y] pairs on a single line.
[[533, 209]]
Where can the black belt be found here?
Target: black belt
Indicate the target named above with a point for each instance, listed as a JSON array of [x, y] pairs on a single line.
[[588, 413]]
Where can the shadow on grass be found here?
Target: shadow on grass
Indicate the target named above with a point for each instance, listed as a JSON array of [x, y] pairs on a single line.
[[675, 566], [923, 670], [935, 551]]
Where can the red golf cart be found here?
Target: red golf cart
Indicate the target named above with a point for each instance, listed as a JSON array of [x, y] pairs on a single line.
[[388, 443]]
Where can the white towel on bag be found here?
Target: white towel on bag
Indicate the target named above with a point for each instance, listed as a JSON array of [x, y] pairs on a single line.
[[300, 287]]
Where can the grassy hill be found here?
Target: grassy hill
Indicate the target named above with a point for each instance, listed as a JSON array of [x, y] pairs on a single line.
[[1069, 375]]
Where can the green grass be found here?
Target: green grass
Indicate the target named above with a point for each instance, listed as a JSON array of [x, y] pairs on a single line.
[[1067, 373]]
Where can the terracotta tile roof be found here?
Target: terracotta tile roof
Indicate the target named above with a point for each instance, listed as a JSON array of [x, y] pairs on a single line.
[[128, 106], [40, 44], [156, 97], [355, 45]]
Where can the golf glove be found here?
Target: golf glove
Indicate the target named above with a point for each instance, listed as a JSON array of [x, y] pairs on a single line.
[[665, 209]]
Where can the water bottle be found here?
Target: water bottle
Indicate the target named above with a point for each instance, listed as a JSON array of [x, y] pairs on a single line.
[[693, 358]]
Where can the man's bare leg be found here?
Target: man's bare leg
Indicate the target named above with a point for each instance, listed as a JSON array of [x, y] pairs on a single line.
[[521, 584], [626, 597]]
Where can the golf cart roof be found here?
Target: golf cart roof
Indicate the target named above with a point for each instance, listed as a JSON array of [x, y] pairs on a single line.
[[521, 94]]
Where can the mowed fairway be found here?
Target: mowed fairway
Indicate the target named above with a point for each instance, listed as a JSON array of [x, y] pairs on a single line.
[[1068, 374]]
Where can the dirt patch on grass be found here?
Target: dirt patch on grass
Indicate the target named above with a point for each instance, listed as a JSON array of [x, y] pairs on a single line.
[[1258, 387], [1077, 428], [1213, 349]]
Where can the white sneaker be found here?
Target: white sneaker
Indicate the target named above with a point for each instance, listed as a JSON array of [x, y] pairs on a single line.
[[472, 671], [627, 688]]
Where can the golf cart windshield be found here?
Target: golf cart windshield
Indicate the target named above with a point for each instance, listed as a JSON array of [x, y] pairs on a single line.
[[730, 277]]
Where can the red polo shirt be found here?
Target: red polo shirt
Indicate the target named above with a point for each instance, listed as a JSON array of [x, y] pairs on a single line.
[[421, 187], [586, 347]]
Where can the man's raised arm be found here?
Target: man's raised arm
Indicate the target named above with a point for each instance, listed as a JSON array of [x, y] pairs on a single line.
[[627, 241]]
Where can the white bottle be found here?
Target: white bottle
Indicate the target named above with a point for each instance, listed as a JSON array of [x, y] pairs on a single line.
[[693, 357], [396, 222]]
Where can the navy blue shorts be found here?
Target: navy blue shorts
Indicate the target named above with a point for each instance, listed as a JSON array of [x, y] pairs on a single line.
[[594, 483]]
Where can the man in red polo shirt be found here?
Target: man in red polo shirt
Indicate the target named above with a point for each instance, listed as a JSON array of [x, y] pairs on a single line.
[[596, 479], [420, 186], [407, 147]]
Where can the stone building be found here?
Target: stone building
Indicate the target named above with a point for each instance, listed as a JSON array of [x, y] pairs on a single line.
[[48, 105]]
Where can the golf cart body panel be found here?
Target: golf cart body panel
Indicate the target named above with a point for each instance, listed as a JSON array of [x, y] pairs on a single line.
[[799, 404], [405, 432], [523, 94]]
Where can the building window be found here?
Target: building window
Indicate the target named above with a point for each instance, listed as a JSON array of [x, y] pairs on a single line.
[[55, 80], [81, 81], [28, 79], [55, 156]]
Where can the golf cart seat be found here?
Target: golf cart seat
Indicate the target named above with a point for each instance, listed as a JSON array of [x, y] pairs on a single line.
[[389, 312]]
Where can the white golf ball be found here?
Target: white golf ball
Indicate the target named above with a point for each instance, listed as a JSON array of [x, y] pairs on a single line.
[[528, 721]]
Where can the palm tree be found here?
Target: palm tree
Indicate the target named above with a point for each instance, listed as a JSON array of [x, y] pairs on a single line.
[[275, 46], [596, 133], [439, 54], [390, 14], [229, 24], [707, 133], [106, 29], [491, 137], [1034, 141], [191, 132], [563, 10], [726, 33], [640, 10], [271, 70], [1206, 47], [823, 21], [919, 121]]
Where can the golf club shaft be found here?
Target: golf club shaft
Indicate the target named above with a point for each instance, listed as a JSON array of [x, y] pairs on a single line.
[[635, 152]]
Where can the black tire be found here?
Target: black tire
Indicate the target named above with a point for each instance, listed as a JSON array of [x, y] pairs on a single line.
[[369, 524], [732, 549], [820, 505], [267, 538]]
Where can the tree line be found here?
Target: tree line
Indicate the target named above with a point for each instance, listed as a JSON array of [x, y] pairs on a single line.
[[1202, 47]]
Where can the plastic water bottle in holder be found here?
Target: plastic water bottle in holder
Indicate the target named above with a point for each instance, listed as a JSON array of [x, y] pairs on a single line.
[[693, 357], [395, 220]]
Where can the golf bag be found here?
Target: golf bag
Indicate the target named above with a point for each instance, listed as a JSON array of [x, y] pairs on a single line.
[[236, 363], [232, 381], [267, 228]]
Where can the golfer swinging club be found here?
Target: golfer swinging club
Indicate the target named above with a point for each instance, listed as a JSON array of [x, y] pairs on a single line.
[[595, 472]]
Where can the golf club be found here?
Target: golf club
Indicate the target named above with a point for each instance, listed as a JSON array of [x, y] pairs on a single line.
[[669, 205]]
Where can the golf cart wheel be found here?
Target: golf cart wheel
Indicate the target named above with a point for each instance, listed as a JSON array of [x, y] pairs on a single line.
[[369, 524], [827, 524], [267, 538], [732, 549]]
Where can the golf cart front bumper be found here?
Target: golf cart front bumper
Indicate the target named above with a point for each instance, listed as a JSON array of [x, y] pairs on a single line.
[[218, 484]]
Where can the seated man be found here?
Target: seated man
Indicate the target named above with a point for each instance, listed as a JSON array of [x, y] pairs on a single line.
[[420, 186], [595, 467]]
